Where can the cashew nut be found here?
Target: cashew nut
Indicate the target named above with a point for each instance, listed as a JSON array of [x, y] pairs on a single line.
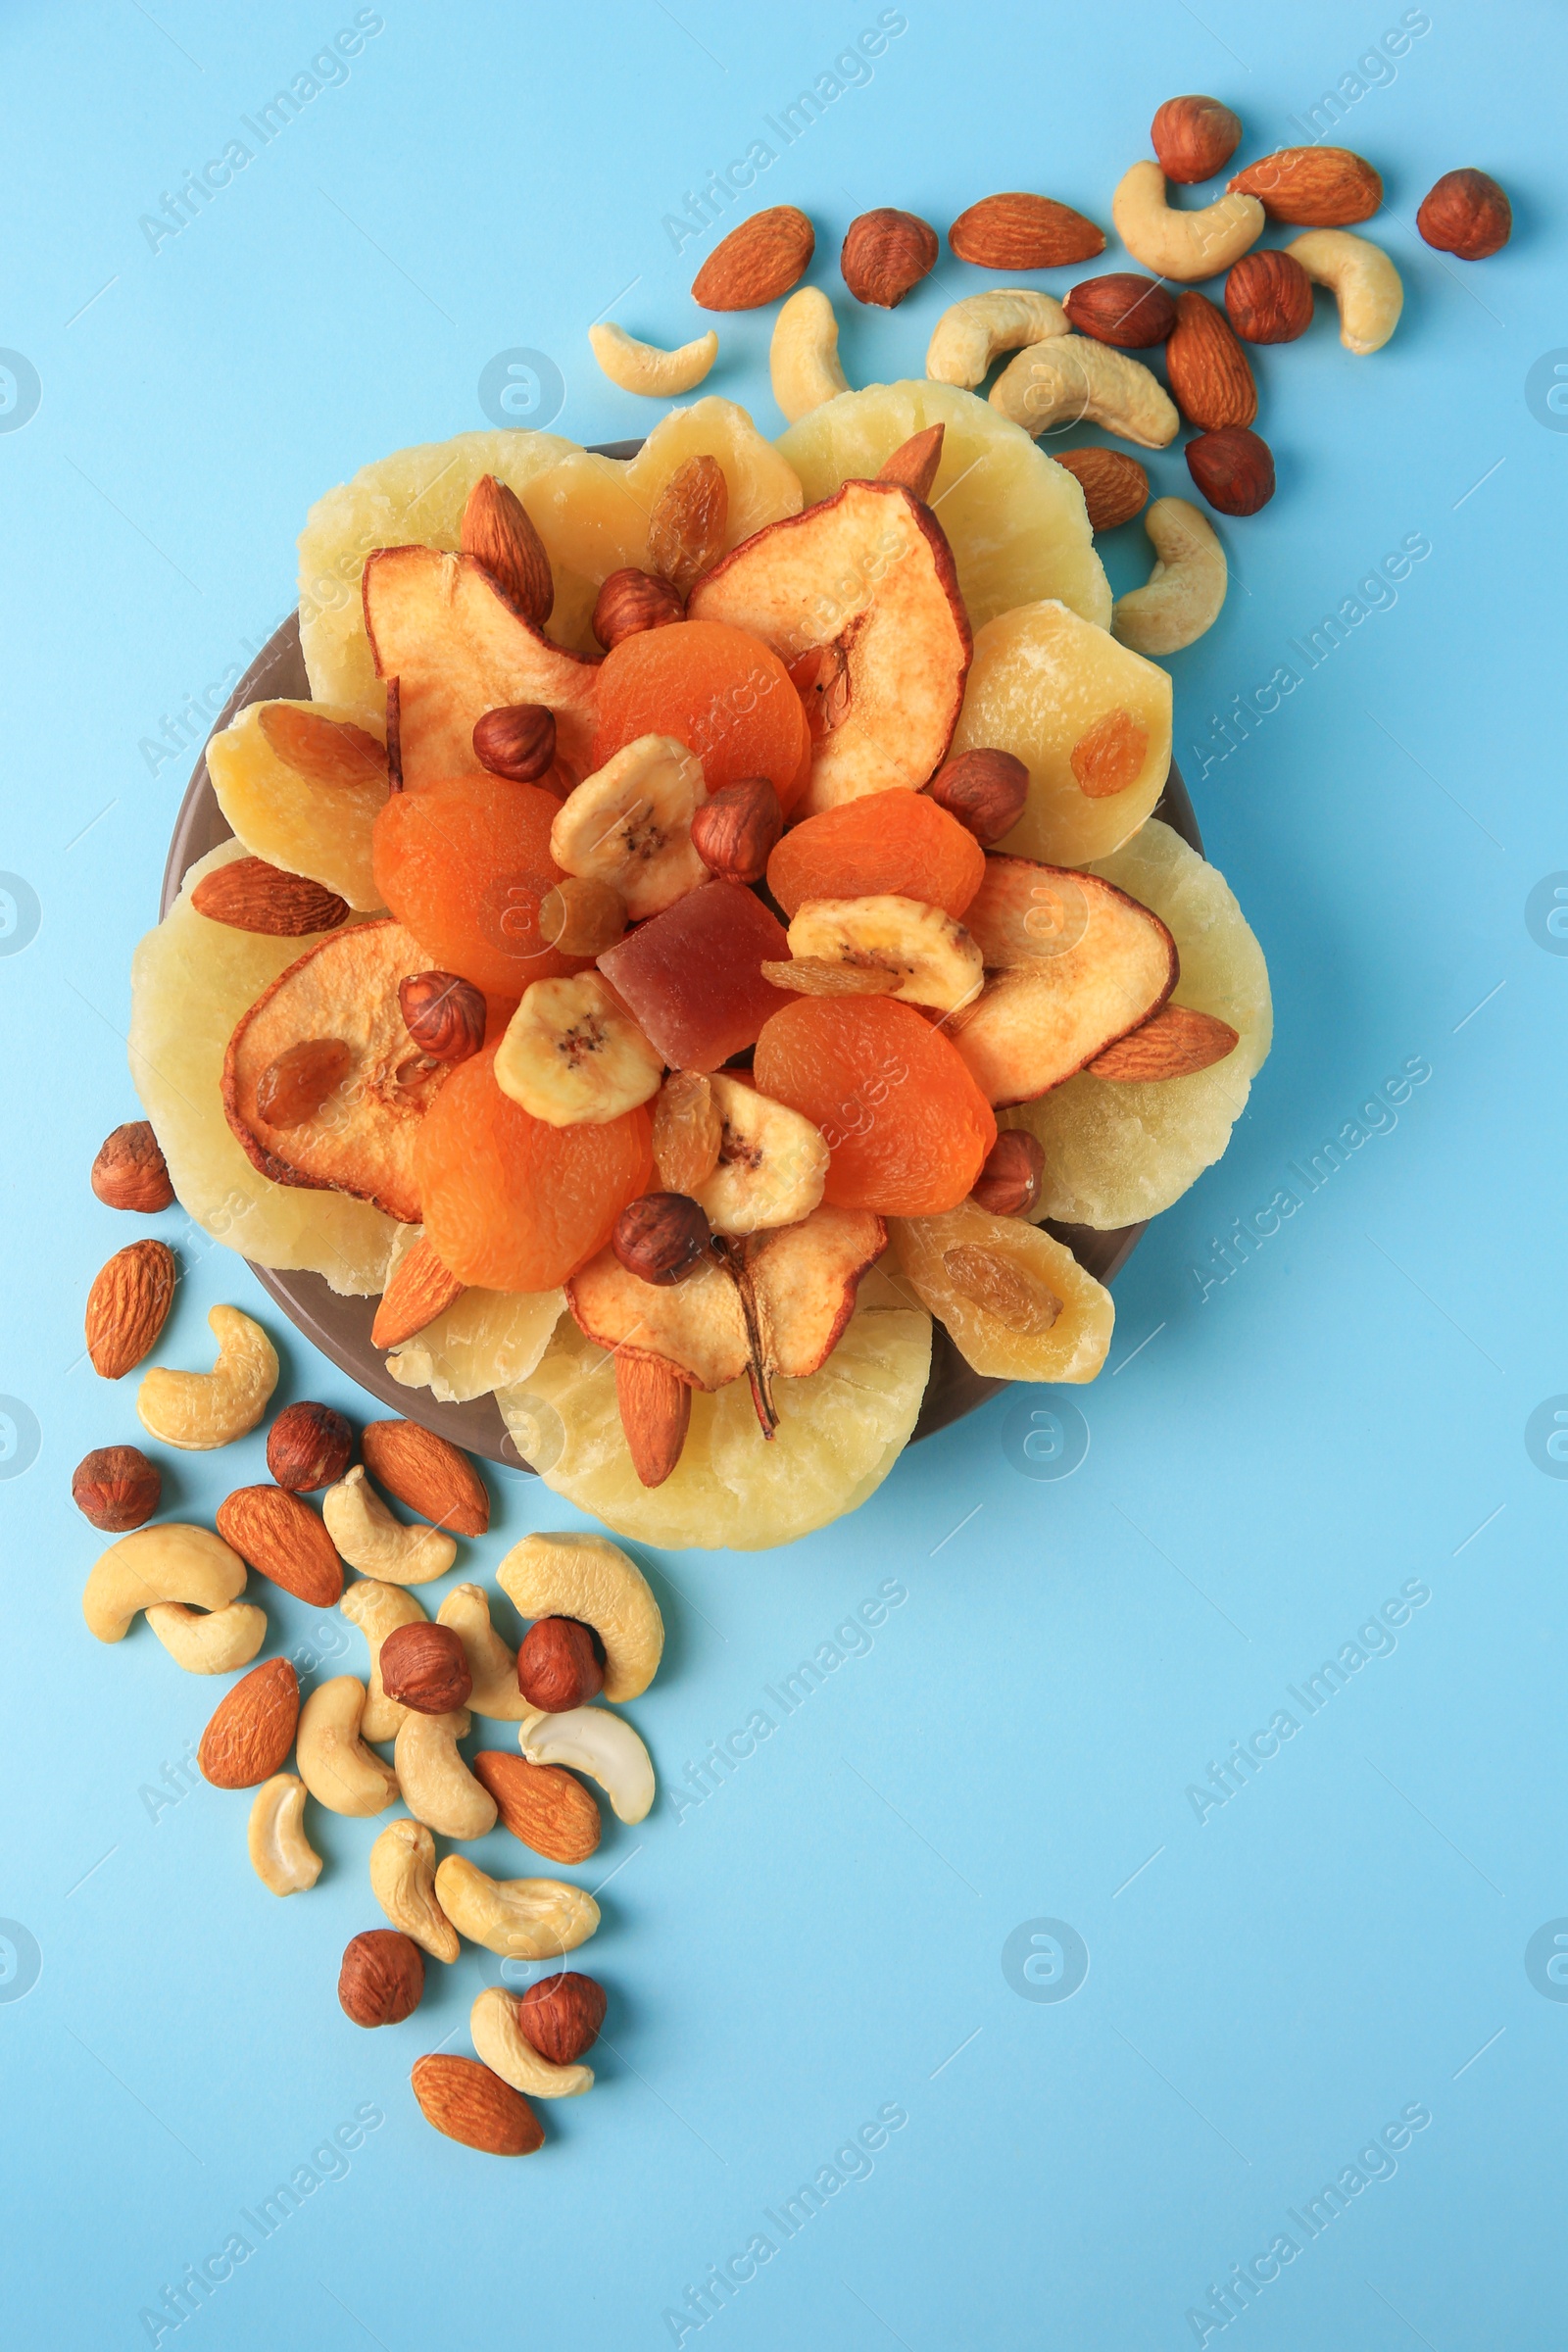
[[337, 1768], [598, 1743], [591, 1578], [506, 2051], [972, 333], [212, 1643], [437, 1785], [643, 368], [372, 1540], [803, 355], [281, 1855], [1072, 379], [1365, 284], [198, 1410], [492, 1666], [1183, 593], [171, 1562], [525, 1919], [403, 1882], [377, 1610], [1182, 245]]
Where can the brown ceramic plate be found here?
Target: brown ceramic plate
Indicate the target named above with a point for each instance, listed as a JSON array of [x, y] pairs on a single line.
[[341, 1327]]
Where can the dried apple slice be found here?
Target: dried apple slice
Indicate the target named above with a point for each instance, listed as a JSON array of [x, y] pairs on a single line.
[[301, 784], [1015, 1301], [869, 574], [360, 1138], [442, 627]]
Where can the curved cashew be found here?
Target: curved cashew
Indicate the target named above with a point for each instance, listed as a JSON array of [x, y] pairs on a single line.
[[281, 1855], [437, 1785], [171, 1562], [1365, 284], [972, 333], [1183, 593], [492, 1666], [403, 1882], [602, 1744], [1072, 380], [379, 1609], [506, 2051], [372, 1540], [1182, 245], [337, 1768], [198, 1410], [591, 1578], [803, 355], [643, 368], [525, 1919], [212, 1643]]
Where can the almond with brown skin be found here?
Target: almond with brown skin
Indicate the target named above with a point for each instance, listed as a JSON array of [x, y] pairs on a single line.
[[117, 1487], [1122, 308], [540, 1804], [283, 1540], [469, 2103], [1268, 297], [560, 1665], [420, 1289], [632, 600], [1466, 214], [655, 1413], [496, 532], [429, 1473], [885, 254], [1010, 1183], [914, 462], [249, 895], [516, 741], [561, 2016], [735, 830], [1115, 486], [425, 1667], [1232, 468], [1173, 1045], [1206, 369], [253, 1728], [382, 1978], [1313, 187], [444, 1015], [1194, 138], [984, 790], [131, 1172], [127, 1306], [1020, 231], [329, 751], [309, 1445], [686, 529], [757, 262]]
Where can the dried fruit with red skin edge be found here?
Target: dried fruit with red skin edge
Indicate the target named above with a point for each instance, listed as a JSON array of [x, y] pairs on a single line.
[[128, 1305], [496, 532], [631, 601], [1466, 214], [886, 254], [1268, 298], [661, 1237], [382, 1978], [1194, 138], [559, 1666], [1210, 375], [986, 791], [1121, 309], [1008, 1185], [252, 1728], [283, 1540], [469, 2103], [1232, 468], [129, 1170], [444, 1015], [561, 2016], [1313, 187], [693, 975], [250, 895], [309, 1445], [655, 1405], [1115, 486], [428, 1473], [517, 741], [758, 262], [735, 831], [117, 1487], [425, 1667], [1020, 231]]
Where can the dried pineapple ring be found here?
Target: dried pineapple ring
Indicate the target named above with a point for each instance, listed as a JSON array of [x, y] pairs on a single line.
[[1015, 1301], [307, 827], [485, 1339], [1118, 1151], [1015, 519]]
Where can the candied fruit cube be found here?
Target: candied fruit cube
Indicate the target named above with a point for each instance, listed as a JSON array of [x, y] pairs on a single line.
[[693, 975]]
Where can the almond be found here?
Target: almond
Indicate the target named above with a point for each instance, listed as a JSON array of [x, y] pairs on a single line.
[[1466, 214], [249, 895], [1121, 309], [1115, 486], [914, 462], [1174, 1044], [429, 1473], [561, 2016], [756, 263], [283, 1540], [496, 532], [885, 254], [632, 600], [329, 751], [131, 1172], [686, 529], [656, 1411], [543, 1806], [252, 1729], [1232, 468], [735, 831], [309, 1445], [1313, 187], [126, 1306], [1268, 298], [1194, 138], [420, 1289], [1019, 231], [469, 2103], [1206, 369]]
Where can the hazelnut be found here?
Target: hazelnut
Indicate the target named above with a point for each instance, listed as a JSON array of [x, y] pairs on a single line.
[[661, 1237], [1466, 214], [517, 741], [1194, 138], [130, 1171], [885, 254], [631, 601], [1122, 308], [1268, 298], [117, 1487], [309, 1445], [1232, 468], [561, 2016], [1008, 1185], [425, 1667], [292, 1089], [381, 1979], [985, 790], [444, 1015], [735, 830], [560, 1664]]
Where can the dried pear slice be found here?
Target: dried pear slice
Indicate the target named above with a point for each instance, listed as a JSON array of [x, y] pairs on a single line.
[[293, 819]]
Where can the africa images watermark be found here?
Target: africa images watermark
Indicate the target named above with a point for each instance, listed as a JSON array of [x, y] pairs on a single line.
[[1374, 70]]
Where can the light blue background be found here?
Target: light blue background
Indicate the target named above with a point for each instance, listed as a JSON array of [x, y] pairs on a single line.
[[1268, 1462]]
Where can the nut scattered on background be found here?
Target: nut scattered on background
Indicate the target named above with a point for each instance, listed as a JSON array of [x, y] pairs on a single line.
[[427, 1473], [252, 1729], [1020, 231], [1268, 298], [381, 1979], [1313, 187], [757, 262], [886, 253], [561, 2016], [559, 1666], [542, 1805], [1123, 308], [1207, 367], [425, 1667], [117, 1487], [283, 1540], [1115, 486], [1466, 214], [128, 1306], [1232, 468], [130, 1171], [309, 1445], [469, 2103], [1194, 138]]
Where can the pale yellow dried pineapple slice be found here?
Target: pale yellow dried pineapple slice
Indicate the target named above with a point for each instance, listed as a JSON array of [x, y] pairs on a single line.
[[485, 1339], [294, 821]]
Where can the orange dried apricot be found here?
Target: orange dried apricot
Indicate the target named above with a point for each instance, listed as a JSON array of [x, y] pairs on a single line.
[[902, 1119], [511, 1203], [463, 864], [720, 691], [891, 842]]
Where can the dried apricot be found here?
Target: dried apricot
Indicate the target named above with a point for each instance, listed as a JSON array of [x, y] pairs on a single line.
[[897, 843], [901, 1117], [720, 691], [512, 1203], [463, 864]]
